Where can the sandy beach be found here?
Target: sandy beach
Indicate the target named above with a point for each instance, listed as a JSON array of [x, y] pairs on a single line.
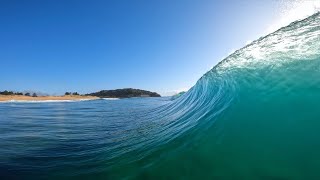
[[44, 98]]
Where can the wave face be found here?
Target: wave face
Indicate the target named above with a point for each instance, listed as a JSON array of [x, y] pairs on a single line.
[[256, 115]]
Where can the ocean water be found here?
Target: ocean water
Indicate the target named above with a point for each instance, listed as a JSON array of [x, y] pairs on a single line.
[[255, 115]]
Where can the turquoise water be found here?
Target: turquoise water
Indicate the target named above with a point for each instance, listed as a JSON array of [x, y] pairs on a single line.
[[256, 115]]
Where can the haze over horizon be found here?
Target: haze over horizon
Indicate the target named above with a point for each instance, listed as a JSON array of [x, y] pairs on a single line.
[[161, 46]]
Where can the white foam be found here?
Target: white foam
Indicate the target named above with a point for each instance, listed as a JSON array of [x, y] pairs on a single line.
[[111, 99], [294, 10]]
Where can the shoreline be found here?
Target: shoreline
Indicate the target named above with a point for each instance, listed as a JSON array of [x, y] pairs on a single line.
[[8, 98]]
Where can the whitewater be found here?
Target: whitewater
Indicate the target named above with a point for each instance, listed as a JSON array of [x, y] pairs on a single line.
[[255, 115]]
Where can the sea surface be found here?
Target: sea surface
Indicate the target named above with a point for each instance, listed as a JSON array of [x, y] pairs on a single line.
[[255, 115]]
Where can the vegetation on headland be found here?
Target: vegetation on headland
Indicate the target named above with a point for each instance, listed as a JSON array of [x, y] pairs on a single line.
[[118, 93], [124, 93]]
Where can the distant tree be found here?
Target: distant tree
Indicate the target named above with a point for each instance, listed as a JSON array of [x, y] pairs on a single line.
[[34, 95], [18, 93], [75, 93], [27, 94], [6, 92], [67, 93]]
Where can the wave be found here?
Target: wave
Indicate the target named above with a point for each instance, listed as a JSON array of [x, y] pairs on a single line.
[[255, 115], [285, 62], [261, 101]]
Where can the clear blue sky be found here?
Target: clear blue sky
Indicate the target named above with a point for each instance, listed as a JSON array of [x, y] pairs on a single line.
[[55, 46]]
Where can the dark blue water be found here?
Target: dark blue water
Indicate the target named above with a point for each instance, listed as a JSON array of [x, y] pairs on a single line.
[[71, 138]]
